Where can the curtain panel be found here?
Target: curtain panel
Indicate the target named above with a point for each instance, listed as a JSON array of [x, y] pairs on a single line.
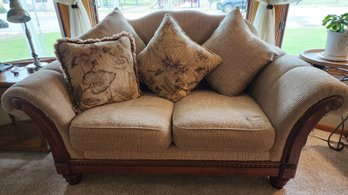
[[78, 17], [264, 20]]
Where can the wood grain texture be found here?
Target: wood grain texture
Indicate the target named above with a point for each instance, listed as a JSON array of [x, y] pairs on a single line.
[[279, 172], [7, 78], [23, 135], [326, 128]]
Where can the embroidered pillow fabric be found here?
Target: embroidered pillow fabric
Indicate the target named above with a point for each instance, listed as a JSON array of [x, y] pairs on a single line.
[[99, 72], [112, 24], [243, 54], [172, 64]]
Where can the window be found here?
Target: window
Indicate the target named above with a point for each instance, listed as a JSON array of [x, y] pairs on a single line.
[[137, 8], [44, 28], [303, 29], [40, 1]]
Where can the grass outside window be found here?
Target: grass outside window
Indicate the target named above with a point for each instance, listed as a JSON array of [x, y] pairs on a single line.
[[16, 48], [298, 39]]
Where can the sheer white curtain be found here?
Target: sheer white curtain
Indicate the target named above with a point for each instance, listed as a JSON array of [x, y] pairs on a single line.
[[264, 20], [79, 20]]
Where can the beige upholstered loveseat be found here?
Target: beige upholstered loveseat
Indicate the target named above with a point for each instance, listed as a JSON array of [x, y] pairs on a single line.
[[260, 132]]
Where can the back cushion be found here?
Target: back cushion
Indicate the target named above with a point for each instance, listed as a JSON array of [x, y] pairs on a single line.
[[113, 23], [197, 25]]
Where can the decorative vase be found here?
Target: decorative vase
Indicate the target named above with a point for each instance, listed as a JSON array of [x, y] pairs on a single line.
[[336, 44]]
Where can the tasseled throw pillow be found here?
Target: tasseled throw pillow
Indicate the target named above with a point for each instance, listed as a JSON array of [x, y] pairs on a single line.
[[97, 71]]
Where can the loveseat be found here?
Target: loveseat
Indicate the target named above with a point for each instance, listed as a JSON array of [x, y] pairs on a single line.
[[258, 133]]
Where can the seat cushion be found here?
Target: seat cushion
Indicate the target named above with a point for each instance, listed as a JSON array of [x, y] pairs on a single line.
[[205, 121], [141, 124]]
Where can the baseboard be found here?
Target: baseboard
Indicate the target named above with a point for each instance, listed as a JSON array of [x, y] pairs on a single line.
[[328, 129]]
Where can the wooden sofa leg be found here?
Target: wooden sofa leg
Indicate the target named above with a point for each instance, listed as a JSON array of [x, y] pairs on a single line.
[[73, 178], [278, 182]]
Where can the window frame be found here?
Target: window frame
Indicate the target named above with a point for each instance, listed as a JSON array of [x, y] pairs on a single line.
[[280, 20]]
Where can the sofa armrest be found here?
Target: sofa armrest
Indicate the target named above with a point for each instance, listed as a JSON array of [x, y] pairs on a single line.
[[286, 88], [46, 91]]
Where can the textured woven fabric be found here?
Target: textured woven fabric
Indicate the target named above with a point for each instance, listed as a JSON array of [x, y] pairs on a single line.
[[55, 66], [242, 52], [142, 124], [46, 90], [172, 64], [286, 89], [208, 121], [114, 23], [197, 25], [99, 71]]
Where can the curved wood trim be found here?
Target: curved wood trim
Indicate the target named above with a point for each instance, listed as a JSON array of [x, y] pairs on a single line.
[[298, 135], [47, 128], [279, 172]]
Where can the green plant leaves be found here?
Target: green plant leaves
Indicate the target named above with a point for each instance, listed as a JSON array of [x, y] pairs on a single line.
[[336, 23]]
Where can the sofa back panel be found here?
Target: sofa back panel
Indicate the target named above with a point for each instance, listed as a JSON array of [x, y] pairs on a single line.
[[197, 25]]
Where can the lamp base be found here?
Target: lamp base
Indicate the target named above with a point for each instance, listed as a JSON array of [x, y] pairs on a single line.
[[33, 68]]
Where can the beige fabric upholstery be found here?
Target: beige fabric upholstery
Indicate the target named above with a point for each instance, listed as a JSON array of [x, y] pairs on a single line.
[[172, 64], [55, 66], [287, 88], [99, 71], [114, 23], [208, 121], [197, 25], [141, 124], [284, 90], [175, 153], [46, 90], [243, 55]]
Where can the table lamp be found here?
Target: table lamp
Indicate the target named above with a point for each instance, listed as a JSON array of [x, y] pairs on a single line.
[[17, 14]]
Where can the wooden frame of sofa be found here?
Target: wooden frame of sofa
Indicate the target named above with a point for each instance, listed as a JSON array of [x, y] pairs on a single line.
[[279, 172]]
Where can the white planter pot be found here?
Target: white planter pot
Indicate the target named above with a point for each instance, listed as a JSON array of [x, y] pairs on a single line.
[[336, 44]]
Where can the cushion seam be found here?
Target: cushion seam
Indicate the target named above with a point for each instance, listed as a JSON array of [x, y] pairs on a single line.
[[239, 129], [114, 127]]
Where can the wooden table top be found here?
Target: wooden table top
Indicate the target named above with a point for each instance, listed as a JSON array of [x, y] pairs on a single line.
[[7, 78], [313, 56]]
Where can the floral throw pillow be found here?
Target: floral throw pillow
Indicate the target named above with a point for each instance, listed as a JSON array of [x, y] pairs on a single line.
[[172, 64], [97, 71]]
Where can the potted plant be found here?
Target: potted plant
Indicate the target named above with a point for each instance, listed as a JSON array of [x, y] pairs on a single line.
[[337, 39]]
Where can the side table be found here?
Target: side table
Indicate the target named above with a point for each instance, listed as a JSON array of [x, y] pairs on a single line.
[[313, 57], [19, 135]]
